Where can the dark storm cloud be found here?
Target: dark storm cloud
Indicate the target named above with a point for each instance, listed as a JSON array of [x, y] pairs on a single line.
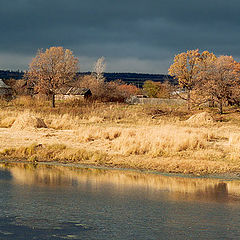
[[135, 35]]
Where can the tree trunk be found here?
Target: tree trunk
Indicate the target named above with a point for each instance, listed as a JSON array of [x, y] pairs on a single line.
[[188, 100], [53, 100], [220, 107]]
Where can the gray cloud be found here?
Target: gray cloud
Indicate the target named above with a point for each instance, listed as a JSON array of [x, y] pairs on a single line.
[[133, 35]]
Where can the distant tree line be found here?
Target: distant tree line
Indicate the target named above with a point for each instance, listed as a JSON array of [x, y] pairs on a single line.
[[204, 77], [136, 79], [8, 74]]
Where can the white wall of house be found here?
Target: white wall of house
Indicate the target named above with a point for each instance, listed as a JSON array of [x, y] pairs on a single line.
[[65, 97]]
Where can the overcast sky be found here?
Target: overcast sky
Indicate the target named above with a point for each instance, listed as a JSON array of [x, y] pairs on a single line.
[[132, 35]]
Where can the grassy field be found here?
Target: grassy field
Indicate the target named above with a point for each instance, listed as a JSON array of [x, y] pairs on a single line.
[[145, 137]]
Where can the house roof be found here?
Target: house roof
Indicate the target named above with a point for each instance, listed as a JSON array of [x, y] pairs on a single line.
[[3, 85], [72, 91]]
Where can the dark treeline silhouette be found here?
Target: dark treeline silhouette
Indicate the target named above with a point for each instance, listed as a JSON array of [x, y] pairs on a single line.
[[137, 79], [8, 74]]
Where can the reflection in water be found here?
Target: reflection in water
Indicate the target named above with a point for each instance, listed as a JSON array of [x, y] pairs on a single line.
[[59, 202], [187, 189]]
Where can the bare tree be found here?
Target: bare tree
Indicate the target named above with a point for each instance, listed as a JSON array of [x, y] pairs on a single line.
[[99, 68], [51, 69]]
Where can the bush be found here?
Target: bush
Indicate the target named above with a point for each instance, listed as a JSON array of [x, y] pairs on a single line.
[[115, 91]]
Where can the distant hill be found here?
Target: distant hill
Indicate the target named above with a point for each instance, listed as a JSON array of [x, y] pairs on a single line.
[[7, 74], [130, 78], [137, 79]]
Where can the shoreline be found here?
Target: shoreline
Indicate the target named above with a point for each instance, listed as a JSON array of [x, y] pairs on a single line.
[[231, 176]]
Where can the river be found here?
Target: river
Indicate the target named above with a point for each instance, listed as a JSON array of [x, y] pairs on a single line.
[[59, 202]]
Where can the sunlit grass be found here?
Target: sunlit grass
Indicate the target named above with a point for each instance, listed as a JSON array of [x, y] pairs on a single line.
[[120, 135]]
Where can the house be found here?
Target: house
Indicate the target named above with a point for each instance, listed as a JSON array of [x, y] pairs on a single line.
[[5, 90], [72, 93]]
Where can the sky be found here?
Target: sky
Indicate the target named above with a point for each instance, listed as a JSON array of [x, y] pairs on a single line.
[[133, 35]]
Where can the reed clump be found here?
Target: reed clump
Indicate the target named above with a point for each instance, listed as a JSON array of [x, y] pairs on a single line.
[[92, 133], [164, 140]]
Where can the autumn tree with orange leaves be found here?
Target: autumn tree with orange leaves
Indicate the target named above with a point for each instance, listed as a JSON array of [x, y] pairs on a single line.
[[220, 81], [49, 70], [186, 68]]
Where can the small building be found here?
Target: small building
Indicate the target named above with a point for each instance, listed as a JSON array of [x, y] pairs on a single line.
[[72, 93], [5, 91], [135, 99]]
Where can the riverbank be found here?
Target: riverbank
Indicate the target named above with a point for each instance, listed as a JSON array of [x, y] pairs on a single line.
[[126, 150], [24, 171], [122, 136], [66, 166]]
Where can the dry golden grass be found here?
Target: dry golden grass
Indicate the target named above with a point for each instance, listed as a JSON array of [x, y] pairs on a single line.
[[68, 114], [165, 140], [27, 121], [55, 152], [119, 135]]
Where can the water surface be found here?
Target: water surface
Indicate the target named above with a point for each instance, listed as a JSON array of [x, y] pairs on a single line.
[[56, 202]]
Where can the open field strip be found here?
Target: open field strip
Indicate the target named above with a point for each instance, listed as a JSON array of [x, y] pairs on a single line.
[[118, 135]]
